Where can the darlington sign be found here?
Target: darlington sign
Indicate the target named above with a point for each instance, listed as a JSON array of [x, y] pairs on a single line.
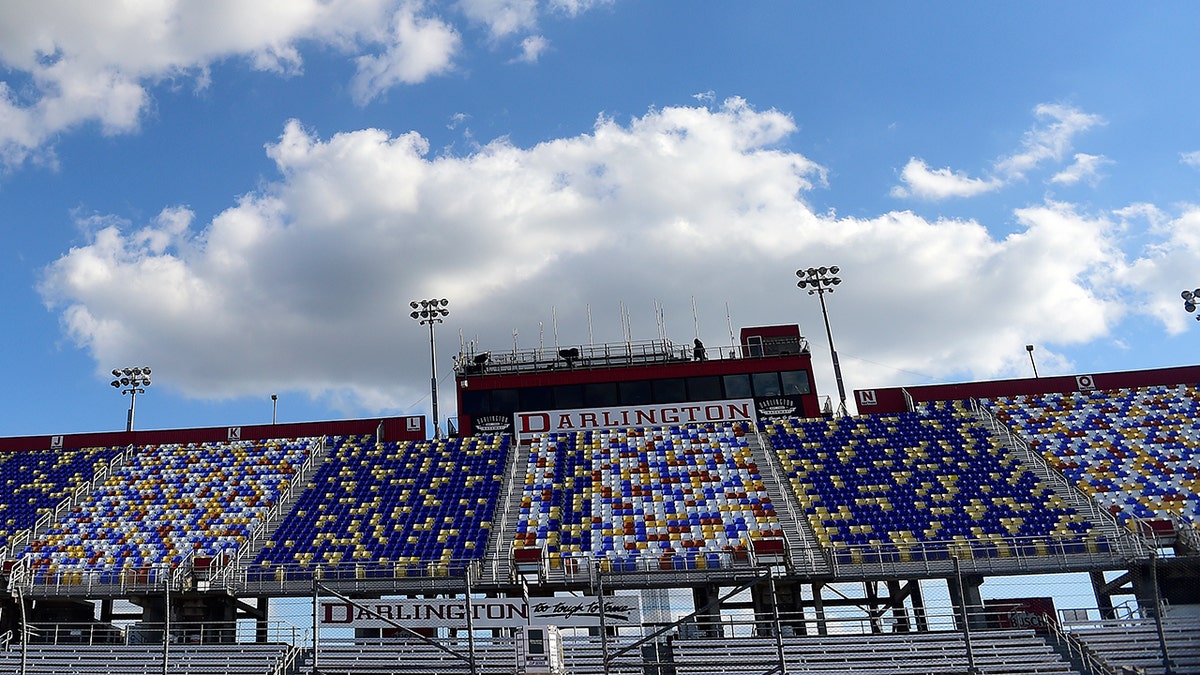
[[736, 410], [485, 612]]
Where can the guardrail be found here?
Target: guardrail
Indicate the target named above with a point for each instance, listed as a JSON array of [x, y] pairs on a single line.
[[220, 569]]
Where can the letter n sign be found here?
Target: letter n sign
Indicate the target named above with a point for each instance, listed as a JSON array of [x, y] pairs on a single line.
[[235, 434], [868, 397]]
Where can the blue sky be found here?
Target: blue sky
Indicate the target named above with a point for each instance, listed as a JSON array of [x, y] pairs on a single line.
[[245, 196]]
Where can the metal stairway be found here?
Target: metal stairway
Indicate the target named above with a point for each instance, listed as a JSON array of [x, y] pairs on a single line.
[[804, 553]]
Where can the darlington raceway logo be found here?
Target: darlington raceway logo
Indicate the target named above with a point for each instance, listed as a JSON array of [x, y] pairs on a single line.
[[777, 407], [493, 424]]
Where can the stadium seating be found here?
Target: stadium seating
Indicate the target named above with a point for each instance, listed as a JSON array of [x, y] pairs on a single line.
[[78, 659], [1134, 643], [921, 485], [681, 497], [167, 504], [384, 509], [1135, 451], [34, 482], [1000, 652]]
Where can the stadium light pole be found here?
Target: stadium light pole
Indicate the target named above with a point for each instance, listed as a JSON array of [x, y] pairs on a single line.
[[1190, 300], [1029, 348], [431, 313], [819, 281], [132, 381]]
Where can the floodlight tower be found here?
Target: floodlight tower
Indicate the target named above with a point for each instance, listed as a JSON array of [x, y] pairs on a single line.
[[132, 381], [431, 312], [1190, 300], [819, 281]]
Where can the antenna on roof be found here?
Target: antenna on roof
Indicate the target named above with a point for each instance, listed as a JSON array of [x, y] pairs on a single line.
[[514, 343], [554, 320], [729, 321], [660, 320], [695, 318], [628, 326], [589, 313]]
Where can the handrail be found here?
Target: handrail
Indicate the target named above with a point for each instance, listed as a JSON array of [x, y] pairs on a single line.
[[592, 357], [513, 455], [78, 494], [224, 566], [1078, 650], [1015, 441], [1022, 551], [782, 480]]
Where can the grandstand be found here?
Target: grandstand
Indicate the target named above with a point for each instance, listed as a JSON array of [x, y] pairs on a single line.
[[633, 509]]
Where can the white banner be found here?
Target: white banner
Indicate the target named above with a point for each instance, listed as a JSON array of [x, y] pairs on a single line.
[[485, 612], [734, 410]]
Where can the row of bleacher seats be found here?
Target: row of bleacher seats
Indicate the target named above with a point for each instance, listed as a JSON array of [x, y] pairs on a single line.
[[374, 506], [167, 504], [688, 494], [225, 659], [1134, 643], [1134, 451], [34, 482], [922, 485], [1009, 652], [929, 483]]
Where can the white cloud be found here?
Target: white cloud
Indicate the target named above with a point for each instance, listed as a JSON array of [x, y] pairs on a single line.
[[82, 62], [420, 47], [502, 17], [1086, 168], [1048, 141], [304, 283], [935, 184], [1190, 158], [1165, 266], [68, 63], [532, 48], [575, 7]]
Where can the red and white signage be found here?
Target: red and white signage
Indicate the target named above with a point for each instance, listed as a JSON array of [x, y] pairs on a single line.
[[548, 421]]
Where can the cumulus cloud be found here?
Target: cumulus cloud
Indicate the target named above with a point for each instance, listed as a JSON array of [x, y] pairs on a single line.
[[935, 184], [304, 283], [68, 63], [1048, 141], [93, 62], [420, 48], [1190, 158], [1165, 265]]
